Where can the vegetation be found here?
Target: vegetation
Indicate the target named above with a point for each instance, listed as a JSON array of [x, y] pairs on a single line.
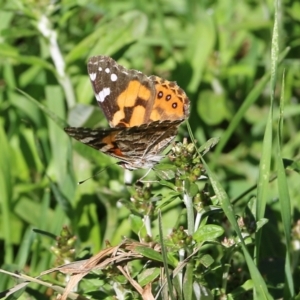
[[223, 228]]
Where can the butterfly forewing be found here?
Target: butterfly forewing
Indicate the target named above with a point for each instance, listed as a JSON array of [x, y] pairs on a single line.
[[121, 93]]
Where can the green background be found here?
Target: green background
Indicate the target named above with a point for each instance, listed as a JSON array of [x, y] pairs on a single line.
[[219, 52]]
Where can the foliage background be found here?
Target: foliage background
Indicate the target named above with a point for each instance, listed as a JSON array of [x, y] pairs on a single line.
[[217, 51]]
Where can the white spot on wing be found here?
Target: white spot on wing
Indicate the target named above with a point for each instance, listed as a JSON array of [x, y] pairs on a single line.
[[100, 69], [113, 77], [106, 148], [103, 94], [93, 76], [87, 140], [107, 70]]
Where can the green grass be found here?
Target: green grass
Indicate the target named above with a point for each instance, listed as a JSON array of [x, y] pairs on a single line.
[[233, 235]]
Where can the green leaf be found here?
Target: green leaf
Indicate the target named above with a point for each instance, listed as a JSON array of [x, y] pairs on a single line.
[[208, 233], [212, 108], [148, 275]]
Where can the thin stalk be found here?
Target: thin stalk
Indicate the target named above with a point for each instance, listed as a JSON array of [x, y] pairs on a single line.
[[188, 201], [44, 26]]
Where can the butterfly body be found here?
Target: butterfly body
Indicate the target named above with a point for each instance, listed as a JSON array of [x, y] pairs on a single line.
[[144, 113]]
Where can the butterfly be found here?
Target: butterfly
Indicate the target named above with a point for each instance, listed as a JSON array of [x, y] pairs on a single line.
[[144, 113]]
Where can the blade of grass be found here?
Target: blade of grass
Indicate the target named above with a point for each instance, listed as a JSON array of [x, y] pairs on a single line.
[[6, 190], [25, 248], [265, 163], [55, 103], [285, 203], [250, 99], [28, 280], [187, 287], [258, 281], [59, 121], [28, 60], [201, 41], [165, 258], [161, 20], [130, 27]]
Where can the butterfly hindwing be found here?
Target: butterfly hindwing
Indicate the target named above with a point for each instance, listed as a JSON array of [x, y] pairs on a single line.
[[134, 145]]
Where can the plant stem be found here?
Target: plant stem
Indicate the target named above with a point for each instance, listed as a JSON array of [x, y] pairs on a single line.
[[44, 26], [188, 201]]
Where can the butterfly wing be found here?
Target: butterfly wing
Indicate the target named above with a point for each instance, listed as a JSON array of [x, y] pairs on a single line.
[[129, 98], [170, 102], [124, 95], [136, 147], [144, 113]]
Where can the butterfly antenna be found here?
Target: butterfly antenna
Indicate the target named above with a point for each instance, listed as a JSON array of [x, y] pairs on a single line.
[[83, 181]]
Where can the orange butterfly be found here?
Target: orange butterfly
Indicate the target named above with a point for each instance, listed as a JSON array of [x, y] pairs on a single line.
[[144, 113]]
